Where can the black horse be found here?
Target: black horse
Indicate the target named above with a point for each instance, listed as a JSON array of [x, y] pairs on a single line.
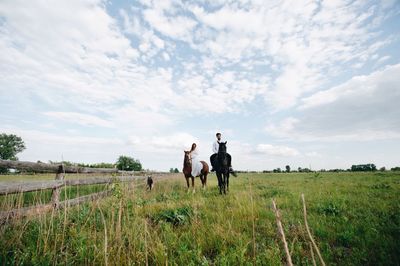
[[222, 164]]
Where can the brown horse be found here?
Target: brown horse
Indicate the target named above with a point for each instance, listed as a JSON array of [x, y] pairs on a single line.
[[187, 171]]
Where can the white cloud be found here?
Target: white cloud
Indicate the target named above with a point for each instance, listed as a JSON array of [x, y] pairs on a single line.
[[306, 40], [282, 129], [45, 146], [177, 27], [164, 143], [377, 85], [312, 154], [50, 139], [364, 108], [79, 118], [276, 150]]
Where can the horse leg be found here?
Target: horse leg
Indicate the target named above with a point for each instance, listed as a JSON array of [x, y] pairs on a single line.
[[193, 185], [205, 180], [227, 182], [202, 179], [187, 182], [223, 183], [219, 182]]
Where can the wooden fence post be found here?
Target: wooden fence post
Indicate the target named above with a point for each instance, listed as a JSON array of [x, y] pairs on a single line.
[[55, 197], [282, 233]]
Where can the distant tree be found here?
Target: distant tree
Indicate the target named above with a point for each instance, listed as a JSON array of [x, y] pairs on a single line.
[[363, 167], [68, 163], [336, 170], [277, 170], [102, 165], [127, 163], [303, 170], [95, 165], [176, 170], [10, 145], [287, 169], [397, 168], [171, 170], [382, 169]]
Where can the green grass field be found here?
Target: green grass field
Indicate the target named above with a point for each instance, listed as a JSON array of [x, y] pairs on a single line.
[[354, 217]]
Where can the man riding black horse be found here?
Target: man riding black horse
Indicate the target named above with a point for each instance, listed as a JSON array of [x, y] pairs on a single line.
[[213, 158]]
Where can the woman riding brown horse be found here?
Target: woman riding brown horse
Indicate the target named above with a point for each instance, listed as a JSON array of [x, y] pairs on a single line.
[[192, 167]]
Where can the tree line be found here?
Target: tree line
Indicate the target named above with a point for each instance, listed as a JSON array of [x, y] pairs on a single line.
[[11, 145], [369, 167]]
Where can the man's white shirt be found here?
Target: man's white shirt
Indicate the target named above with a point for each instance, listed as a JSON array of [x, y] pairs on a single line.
[[216, 146]]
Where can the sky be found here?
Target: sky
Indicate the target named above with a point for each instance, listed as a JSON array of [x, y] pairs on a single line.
[[300, 83]]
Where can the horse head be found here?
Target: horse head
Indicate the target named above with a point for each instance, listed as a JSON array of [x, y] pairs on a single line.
[[187, 160], [222, 147]]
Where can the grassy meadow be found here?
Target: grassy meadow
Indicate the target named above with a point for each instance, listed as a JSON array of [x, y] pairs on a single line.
[[354, 218]]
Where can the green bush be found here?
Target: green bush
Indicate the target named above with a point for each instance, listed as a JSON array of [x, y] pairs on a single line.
[[178, 216]]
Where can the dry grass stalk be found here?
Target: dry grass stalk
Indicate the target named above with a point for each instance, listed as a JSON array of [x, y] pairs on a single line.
[[308, 231], [282, 233], [145, 242], [254, 226], [105, 236], [312, 255]]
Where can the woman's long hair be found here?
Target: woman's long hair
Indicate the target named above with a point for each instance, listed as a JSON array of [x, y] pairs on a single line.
[[193, 147]]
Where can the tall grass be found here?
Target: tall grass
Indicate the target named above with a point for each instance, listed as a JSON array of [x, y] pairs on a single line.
[[354, 218]]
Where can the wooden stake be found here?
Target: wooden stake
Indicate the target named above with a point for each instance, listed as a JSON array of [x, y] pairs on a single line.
[[308, 231], [55, 197], [282, 233]]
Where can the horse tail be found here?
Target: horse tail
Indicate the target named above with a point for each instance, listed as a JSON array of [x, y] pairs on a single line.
[[205, 169]]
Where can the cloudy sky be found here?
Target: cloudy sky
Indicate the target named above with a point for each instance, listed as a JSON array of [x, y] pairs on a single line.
[[286, 82]]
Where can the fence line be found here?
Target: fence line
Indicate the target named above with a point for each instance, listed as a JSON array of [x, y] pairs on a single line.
[[21, 186], [52, 168], [56, 204], [37, 209], [7, 188]]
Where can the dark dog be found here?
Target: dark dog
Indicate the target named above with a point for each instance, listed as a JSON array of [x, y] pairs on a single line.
[[150, 183]]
